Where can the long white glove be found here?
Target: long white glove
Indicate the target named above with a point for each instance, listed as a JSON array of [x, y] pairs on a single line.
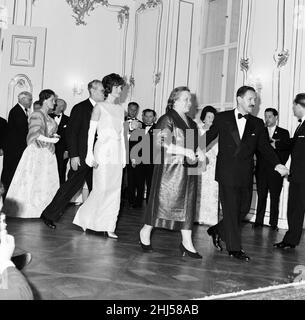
[[46, 139], [90, 160]]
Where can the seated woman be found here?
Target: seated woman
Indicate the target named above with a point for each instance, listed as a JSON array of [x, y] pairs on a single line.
[[172, 200], [35, 181], [207, 197]]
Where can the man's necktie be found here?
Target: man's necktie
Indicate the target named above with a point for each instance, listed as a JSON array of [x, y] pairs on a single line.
[[246, 116]]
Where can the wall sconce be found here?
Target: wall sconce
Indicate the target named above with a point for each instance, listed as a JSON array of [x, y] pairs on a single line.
[[78, 88], [3, 17]]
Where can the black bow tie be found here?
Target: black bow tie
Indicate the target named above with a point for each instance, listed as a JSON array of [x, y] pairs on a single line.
[[129, 118], [57, 115], [246, 116], [300, 120]]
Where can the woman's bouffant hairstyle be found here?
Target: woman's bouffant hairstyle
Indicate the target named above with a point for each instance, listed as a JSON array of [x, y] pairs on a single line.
[[205, 110], [174, 96], [110, 81], [45, 95]]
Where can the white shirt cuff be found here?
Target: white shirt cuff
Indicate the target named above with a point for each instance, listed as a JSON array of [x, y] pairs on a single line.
[[5, 264]]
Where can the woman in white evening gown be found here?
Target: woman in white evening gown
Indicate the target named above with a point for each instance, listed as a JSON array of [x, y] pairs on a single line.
[[100, 211], [35, 181], [207, 197]]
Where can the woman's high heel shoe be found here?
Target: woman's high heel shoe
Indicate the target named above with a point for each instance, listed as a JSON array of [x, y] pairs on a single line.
[[191, 254], [111, 235], [146, 248]]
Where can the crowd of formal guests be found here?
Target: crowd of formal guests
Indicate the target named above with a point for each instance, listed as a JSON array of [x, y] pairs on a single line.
[[185, 170]]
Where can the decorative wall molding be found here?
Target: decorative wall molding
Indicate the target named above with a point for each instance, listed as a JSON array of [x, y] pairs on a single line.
[[81, 8], [190, 38], [281, 55], [149, 5], [245, 57], [19, 83]]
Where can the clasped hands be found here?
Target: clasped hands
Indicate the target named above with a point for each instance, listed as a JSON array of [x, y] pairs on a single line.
[[200, 155], [282, 170]]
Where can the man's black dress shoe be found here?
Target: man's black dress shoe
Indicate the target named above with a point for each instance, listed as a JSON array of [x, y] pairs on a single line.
[[215, 237], [241, 255], [191, 254], [284, 245], [257, 225], [22, 260], [48, 222], [146, 248]]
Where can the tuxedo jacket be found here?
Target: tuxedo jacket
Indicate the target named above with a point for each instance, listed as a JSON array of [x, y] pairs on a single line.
[[3, 132], [297, 147], [235, 159], [129, 138], [17, 130], [77, 130], [13, 286], [282, 149], [145, 143], [61, 145]]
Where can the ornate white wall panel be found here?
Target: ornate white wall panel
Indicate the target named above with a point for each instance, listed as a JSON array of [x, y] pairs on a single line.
[[184, 43]]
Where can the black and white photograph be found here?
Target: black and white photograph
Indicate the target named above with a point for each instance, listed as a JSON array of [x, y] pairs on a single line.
[[152, 153]]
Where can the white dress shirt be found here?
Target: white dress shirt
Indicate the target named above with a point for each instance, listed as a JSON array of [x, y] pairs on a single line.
[[241, 123], [58, 118], [24, 109], [93, 102], [271, 131], [147, 128]]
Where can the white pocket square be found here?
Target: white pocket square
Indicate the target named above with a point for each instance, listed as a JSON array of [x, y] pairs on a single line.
[[253, 134], [301, 136], [64, 126]]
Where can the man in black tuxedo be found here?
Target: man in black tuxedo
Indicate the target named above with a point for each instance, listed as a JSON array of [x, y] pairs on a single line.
[[144, 169], [296, 197], [17, 130], [240, 135], [76, 138], [3, 133], [266, 178], [61, 150], [133, 186]]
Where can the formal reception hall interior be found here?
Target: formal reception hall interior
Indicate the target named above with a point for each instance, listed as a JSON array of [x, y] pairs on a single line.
[[152, 149]]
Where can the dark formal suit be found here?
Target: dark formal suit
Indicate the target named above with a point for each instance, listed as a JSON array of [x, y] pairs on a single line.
[[146, 167], [17, 130], [234, 170], [61, 147], [134, 192], [76, 138], [269, 180], [3, 132], [13, 286], [296, 197]]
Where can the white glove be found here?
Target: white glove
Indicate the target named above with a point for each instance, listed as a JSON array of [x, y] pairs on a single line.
[[46, 139], [90, 160]]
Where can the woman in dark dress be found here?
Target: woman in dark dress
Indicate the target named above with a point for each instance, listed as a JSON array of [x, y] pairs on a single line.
[[172, 200]]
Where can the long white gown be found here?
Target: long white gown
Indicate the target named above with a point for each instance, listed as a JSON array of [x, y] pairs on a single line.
[[35, 181], [207, 191], [100, 211]]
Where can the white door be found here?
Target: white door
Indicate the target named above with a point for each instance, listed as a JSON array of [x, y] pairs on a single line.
[[22, 64]]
